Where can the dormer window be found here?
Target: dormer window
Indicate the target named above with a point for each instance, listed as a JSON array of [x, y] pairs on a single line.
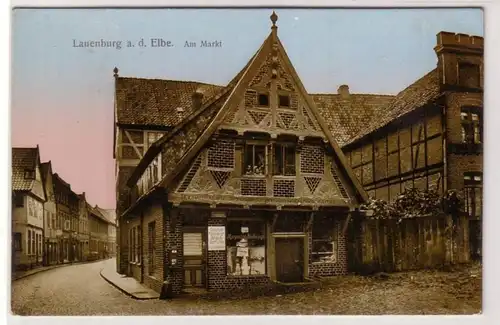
[[263, 100], [29, 174], [284, 101], [469, 75]]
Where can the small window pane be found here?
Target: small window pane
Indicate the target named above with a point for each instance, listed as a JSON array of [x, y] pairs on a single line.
[[284, 101], [263, 100]]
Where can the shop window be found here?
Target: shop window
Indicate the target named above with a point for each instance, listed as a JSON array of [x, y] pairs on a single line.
[[246, 247], [473, 190], [284, 160], [255, 159], [324, 240]]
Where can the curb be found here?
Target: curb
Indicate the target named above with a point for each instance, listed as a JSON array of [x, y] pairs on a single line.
[[123, 290], [57, 266]]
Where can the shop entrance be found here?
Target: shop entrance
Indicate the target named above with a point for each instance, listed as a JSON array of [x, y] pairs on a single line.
[[193, 242], [289, 259]]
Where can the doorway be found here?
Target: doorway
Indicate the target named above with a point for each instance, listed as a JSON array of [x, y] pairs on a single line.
[[289, 259], [194, 255]]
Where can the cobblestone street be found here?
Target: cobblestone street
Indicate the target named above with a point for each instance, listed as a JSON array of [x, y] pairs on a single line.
[[80, 290]]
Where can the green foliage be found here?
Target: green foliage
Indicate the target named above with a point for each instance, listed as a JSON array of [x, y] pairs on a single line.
[[416, 203]]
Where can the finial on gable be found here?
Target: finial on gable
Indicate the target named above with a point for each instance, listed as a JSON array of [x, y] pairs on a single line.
[[115, 72], [274, 19]]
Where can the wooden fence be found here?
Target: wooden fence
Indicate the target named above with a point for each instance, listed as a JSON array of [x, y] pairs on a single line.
[[376, 245]]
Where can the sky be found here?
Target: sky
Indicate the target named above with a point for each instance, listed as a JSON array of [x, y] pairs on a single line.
[[62, 95]]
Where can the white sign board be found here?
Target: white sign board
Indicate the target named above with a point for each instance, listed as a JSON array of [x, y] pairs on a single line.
[[217, 238]]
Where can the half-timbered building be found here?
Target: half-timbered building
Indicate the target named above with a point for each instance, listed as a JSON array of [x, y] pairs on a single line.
[[247, 188], [224, 187]]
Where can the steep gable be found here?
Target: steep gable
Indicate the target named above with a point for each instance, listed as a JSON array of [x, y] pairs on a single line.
[[271, 74]]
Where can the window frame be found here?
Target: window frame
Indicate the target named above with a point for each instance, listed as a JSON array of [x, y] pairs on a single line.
[[151, 247], [246, 152], [462, 82], [263, 95], [243, 222], [288, 101], [469, 126], [331, 240], [473, 181], [282, 148]]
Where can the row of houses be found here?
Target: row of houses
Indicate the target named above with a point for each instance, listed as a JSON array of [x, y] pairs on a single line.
[[51, 224], [254, 182]]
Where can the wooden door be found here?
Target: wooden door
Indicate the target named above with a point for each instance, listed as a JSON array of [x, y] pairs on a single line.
[[193, 243], [289, 259]]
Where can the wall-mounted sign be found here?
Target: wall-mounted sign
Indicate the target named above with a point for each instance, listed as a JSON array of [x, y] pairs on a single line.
[[244, 230], [217, 238]]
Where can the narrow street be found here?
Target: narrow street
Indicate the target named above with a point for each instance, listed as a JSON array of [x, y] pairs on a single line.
[[80, 290]]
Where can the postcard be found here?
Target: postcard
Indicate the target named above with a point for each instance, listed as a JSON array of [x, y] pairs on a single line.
[[247, 161]]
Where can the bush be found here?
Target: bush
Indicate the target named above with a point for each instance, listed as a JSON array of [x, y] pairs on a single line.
[[416, 203]]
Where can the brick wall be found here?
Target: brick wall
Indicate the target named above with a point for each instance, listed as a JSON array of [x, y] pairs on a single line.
[[218, 280], [284, 188], [254, 187], [457, 163], [155, 279], [221, 154], [312, 160], [173, 232], [329, 269]]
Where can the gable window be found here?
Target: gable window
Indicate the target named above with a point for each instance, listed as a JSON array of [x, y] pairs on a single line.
[[29, 174], [284, 101], [324, 240], [284, 160], [473, 193], [468, 75], [471, 125], [255, 159], [263, 100]]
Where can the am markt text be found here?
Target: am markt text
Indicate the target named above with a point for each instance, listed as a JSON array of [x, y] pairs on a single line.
[[153, 42]]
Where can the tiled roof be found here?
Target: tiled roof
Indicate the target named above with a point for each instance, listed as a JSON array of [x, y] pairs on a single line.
[[421, 92], [109, 214], [347, 115], [23, 159], [157, 102]]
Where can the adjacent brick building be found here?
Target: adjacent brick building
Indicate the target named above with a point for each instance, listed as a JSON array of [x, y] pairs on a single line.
[[429, 135], [237, 186]]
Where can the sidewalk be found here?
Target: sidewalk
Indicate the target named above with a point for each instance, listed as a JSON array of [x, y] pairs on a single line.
[[22, 274], [127, 285]]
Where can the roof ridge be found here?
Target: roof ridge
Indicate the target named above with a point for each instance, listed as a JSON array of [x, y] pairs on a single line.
[[173, 80], [351, 94]]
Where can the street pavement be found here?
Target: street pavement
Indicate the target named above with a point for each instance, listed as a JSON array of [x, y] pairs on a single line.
[[80, 290]]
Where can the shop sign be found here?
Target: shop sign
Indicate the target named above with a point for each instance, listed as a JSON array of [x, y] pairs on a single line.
[[216, 238]]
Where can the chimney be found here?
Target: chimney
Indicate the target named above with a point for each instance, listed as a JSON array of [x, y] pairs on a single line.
[[343, 91], [460, 60], [197, 99]]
